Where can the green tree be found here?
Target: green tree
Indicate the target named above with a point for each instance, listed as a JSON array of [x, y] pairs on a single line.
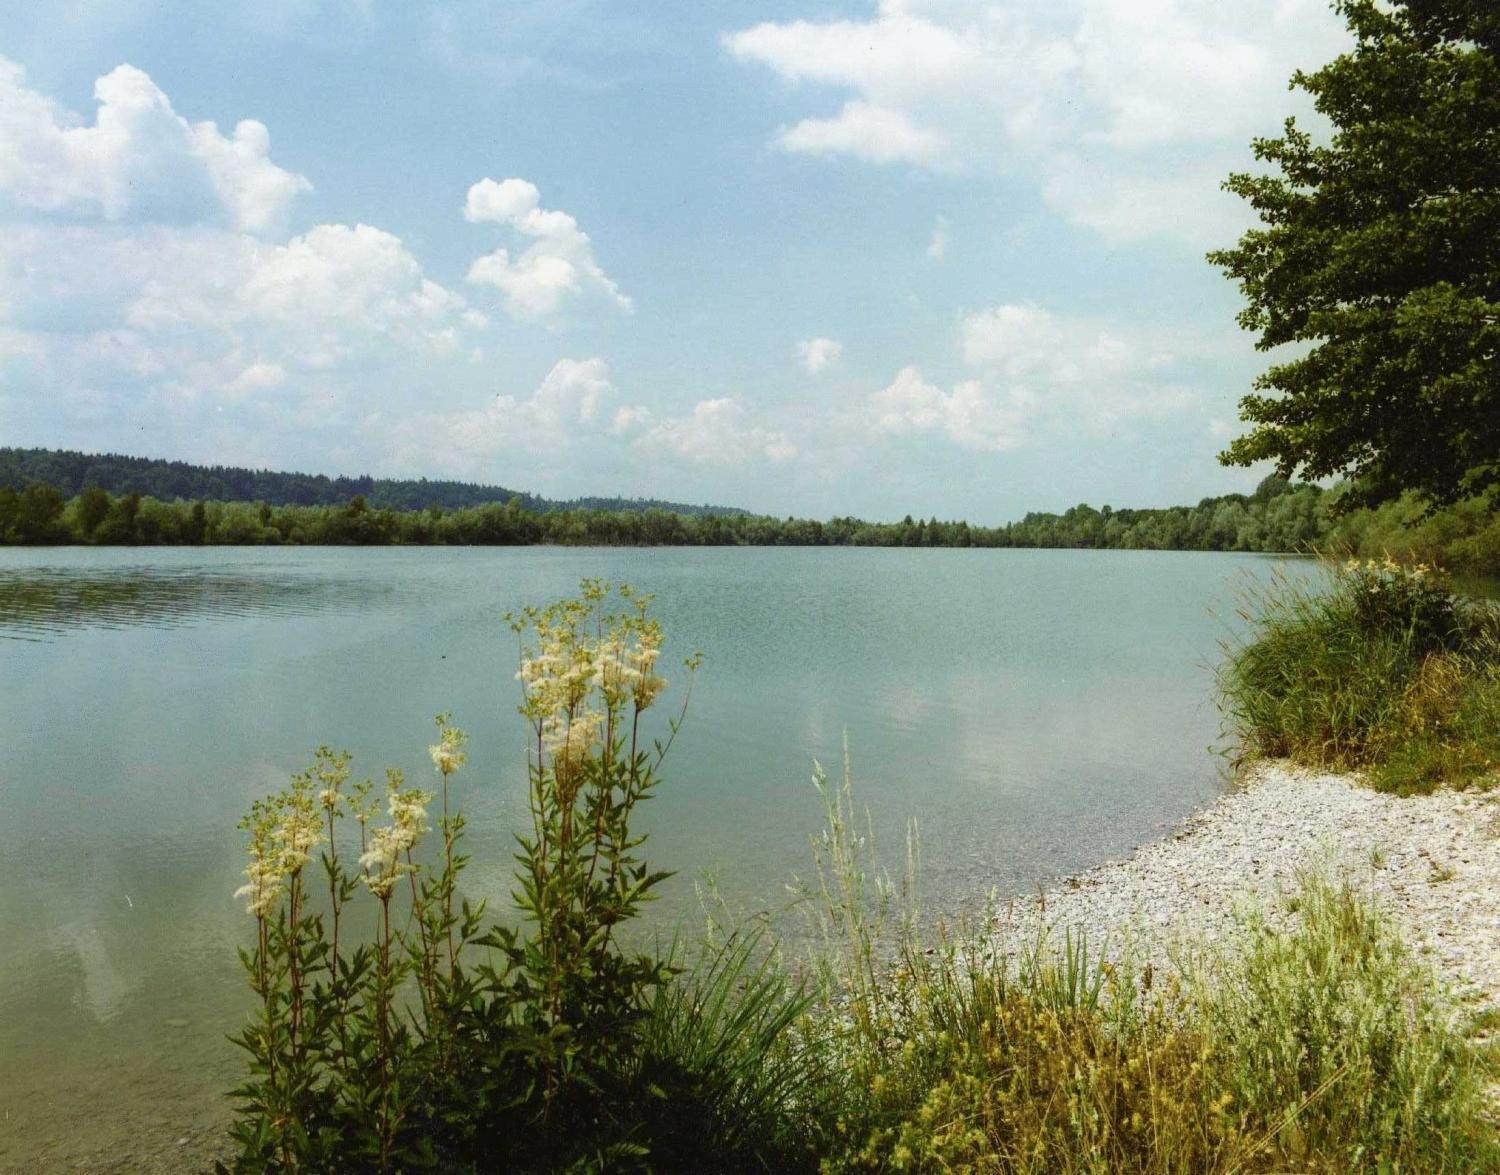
[[36, 516], [1379, 253], [92, 509]]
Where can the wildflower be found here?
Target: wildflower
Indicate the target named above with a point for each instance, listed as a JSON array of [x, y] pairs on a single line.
[[382, 861], [359, 802], [647, 690], [298, 834], [448, 753], [331, 769], [408, 811], [263, 887], [569, 739], [613, 673]]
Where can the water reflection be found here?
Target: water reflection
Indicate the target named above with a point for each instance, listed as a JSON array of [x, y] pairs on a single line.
[[41, 603]]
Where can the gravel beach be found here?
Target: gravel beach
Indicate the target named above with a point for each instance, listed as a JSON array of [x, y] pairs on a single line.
[[1432, 862]]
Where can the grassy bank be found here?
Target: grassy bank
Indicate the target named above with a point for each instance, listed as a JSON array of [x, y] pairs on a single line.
[[1380, 667], [436, 1038]]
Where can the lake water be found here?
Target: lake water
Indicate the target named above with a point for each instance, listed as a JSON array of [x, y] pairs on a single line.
[[1034, 711]]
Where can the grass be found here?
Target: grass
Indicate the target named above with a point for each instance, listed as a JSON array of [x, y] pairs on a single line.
[[720, 1038], [1313, 1043], [1380, 668]]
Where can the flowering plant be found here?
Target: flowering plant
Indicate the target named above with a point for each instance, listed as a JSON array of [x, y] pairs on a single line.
[[1407, 601], [435, 1042]]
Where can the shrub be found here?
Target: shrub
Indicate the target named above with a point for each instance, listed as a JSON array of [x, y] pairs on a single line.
[[1381, 667]]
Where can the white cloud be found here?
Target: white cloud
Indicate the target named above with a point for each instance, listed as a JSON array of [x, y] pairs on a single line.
[[322, 298], [1095, 100], [138, 257], [1083, 373], [256, 376], [937, 245], [572, 393], [874, 133], [1042, 376], [569, 406], [191, 310], [557, 267], [630, 418], [817, 355], [1024, 342], [971, 415], [718, 432], [138, 161]]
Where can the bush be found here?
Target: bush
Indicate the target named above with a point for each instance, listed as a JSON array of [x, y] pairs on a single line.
[[1382, 667]]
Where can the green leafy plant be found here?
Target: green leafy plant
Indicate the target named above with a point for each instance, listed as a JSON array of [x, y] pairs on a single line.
[[1381, 667], [394, 1030]]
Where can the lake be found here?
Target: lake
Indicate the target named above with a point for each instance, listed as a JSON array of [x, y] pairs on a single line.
[[1035, 711]]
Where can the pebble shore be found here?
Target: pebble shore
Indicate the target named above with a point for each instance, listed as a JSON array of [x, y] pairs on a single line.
[[1432, 862]]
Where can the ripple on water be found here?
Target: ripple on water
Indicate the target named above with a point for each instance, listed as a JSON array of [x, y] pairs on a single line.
[[44, 603]]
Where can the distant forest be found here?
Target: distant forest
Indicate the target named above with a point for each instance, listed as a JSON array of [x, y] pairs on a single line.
[[71, 472], [1278, 516]]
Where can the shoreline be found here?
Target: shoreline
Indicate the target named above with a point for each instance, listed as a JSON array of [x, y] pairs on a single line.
[[1432, 863]]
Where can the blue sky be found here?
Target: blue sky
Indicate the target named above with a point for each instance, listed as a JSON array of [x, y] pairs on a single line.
[[928, 256]]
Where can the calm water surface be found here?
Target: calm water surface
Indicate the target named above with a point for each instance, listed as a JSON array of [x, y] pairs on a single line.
[[1035, 711]]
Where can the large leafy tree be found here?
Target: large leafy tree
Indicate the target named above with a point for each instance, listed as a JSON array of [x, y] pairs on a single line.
[[1378, 260]]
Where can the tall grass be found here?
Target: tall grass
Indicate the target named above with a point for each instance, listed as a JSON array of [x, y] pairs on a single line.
[[1378, 667], [1321, 1046]]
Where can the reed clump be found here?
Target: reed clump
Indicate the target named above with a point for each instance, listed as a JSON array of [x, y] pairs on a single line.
[[1379, 667]]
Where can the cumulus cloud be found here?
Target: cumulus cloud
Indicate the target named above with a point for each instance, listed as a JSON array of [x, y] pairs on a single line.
[[718, 432], [972, 415], [1025, 342], [819, 354], [877, 134], [138, 161], [569, 406], [141, 261], [630, 418], [1038, 374], [323, 297], [559, 266], [1095, 100], [1086, 373]]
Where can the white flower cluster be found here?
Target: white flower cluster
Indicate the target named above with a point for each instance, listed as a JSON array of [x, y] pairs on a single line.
[[585, 670], [385, 859], [284, 832], [448, 753]]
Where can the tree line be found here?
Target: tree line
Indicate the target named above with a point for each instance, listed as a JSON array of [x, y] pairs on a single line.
[[72, 472], [1278, 516]]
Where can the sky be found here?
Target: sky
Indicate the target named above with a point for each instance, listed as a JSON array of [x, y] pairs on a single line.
[[801, 256]]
